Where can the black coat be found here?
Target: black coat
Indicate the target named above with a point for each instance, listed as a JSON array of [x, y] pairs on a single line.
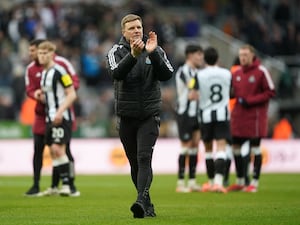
[[137, 80]]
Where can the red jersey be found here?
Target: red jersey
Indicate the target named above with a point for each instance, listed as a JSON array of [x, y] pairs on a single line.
[[33, 79], [254, 84]]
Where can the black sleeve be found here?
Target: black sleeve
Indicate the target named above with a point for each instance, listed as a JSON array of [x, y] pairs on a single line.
[[119, 67], [231, 90], [161, 65]]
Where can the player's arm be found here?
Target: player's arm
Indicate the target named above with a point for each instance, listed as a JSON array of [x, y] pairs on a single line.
[[67, 103], [70, 97], [31, 86], [69, 100], [193, 89], [70, 70]]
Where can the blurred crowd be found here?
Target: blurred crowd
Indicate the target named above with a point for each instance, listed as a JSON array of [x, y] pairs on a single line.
[[84, 31]]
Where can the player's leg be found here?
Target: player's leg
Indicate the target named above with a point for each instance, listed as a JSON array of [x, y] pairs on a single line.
[[229, 157], [256, 151], [193, 160], [74, 191], [128, 136], [55, 177], [221, 134], [60, 159], [55, 171], [185, 137], [207, 137], [220, 166], [238, 160], [56, 138], [246, 155], [146, 136], [37, 164], [181, 187], [53, 189], [210, 165]]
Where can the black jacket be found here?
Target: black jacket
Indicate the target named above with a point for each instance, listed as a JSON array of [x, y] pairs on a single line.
[[137, 80]]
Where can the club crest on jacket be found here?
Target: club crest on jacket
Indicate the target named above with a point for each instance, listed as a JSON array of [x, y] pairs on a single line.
[[251, 79], [148, 61]]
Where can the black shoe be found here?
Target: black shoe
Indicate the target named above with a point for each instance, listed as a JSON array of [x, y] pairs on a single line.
[[150, 211], [33, 191], [138, 209]]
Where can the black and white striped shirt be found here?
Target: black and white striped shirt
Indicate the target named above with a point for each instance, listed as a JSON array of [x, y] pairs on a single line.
[[213, 83], [183, 77], [53, 83]]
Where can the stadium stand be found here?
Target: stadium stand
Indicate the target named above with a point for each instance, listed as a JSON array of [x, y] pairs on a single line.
[[85, 30]]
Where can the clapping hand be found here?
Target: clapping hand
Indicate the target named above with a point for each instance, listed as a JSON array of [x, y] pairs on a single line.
[[151, 43], [137, 45]]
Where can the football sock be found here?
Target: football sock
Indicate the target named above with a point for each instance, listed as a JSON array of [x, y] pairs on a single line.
[[193, 164], [64, 173], [227, 170], [72, 175], [257, 162], [72, 170], [246, 166], [64, 169], [55, 176], [218, 180], [181, 164], [191, 182], [238, 164], [68, 152], [219, 167], [227, 164], [254, 182], [180, 183], [257, 166], [210, 165]]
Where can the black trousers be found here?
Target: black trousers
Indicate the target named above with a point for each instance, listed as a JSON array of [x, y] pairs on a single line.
[[138, 138]]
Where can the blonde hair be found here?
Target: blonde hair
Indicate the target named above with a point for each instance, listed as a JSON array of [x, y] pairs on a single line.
[[47, 45], [129, 18], [250, 47]]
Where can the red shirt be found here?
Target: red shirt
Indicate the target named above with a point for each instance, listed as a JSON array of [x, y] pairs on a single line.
[[32, 81], [254, 84]]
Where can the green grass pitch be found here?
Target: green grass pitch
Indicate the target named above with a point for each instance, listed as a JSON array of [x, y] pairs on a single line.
[[106, 200]]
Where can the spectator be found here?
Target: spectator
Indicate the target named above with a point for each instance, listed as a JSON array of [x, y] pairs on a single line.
[[192, 26], [6, 67], [7, 111], [282, 12]]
